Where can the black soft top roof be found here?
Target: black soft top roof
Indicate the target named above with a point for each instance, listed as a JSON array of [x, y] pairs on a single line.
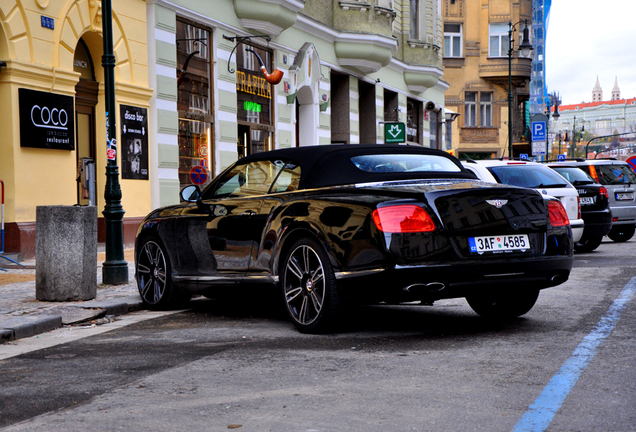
[[330, 165]]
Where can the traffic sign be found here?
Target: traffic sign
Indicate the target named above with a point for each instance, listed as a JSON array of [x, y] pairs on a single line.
[[394, 133], [561, 157], [198, 175], [538, 131], [523, 156]]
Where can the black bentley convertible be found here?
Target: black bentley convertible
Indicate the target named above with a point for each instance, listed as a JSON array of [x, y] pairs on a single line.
[[338, 224]]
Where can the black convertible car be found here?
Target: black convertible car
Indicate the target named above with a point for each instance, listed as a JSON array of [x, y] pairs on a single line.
[[337, 224]]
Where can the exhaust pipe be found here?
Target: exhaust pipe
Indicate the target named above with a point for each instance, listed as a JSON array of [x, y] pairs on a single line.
[[275, 76], [429, 287]]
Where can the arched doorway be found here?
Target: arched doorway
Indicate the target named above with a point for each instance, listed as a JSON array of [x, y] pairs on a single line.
[[86, 96]]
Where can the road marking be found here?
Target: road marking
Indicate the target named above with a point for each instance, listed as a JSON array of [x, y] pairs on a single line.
[[540, 414]]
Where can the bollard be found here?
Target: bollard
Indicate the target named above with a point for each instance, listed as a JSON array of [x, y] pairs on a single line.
[[66, 253]]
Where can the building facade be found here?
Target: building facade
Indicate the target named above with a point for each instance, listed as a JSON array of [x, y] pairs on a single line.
[[348, 68], [197, 88], [52, 111], [476, 46]]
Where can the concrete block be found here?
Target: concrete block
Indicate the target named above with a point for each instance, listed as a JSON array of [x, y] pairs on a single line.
[[66, 253]]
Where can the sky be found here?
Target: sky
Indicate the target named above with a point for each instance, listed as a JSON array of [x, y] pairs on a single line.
[[590, 38]]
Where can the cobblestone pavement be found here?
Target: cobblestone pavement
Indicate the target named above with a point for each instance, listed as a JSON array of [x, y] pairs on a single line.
[[17, 297]]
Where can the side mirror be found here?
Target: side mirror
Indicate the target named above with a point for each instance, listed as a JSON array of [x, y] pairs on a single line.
[[191, 193]]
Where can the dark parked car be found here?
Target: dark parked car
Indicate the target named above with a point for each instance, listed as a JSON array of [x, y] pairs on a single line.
[[595, 207], [331, 225]]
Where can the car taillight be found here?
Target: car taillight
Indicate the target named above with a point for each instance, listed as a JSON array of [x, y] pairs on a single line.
[[603, 192], [558, 215], [405, 218], [578, 203]]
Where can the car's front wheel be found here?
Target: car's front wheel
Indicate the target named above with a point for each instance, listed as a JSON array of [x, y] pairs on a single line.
[[310, 289], [588, 243], [621, 233], [153, 277], [503, 305]]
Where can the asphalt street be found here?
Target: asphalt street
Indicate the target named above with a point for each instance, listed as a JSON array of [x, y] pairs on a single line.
[[568, 365]]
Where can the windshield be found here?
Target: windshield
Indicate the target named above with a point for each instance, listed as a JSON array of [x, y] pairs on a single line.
[[391, 163], [574, 175], [528, 175], [615, 174]]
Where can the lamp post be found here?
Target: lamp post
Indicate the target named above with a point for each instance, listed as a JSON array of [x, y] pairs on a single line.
[[115, 268], [525, 47], [552, 100]]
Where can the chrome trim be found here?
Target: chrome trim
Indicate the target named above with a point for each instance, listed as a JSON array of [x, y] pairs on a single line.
[[265, 278], [233, 278], [348, 274], [504, 274]]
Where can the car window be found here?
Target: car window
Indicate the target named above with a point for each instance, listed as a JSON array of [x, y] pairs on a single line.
[[530, 176], [250, 179], [288, 179], [391, 163], [574, 175], [615, 174]]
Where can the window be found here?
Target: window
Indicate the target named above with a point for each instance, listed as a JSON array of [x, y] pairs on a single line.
[[473, 116], [391, 163], [470, 119], [414, 25], [499, 41], [485, 109], [247, 180], [452, 40]]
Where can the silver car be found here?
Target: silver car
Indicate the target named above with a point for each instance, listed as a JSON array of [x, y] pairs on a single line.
[[620, 182]]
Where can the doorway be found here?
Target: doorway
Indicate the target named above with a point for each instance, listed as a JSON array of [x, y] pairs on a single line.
[[86, 96]]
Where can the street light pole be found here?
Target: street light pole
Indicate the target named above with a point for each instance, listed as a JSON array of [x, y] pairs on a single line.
[[525, 47], [115, 268]]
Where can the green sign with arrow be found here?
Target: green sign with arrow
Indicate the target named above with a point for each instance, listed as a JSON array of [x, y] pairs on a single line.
[[394, 133]]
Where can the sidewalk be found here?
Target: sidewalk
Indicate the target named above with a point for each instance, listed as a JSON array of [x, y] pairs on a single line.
[[21, 315]]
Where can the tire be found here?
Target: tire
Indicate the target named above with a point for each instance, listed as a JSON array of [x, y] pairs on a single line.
[[309, 287], [503, 305], [588, 243], [621, 233], [153, 271]]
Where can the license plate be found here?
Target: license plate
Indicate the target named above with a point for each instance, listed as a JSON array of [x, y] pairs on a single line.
[[587, 200], [624, 196], [498, 244]]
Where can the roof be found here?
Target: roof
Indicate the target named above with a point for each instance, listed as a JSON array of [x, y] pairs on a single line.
[[330, 165], [574, 107]]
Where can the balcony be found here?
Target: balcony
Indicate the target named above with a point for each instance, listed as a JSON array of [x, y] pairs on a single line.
[[268, 17], [495, 70]]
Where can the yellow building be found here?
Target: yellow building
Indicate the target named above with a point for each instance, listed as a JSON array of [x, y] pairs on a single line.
[[476, 47], [52, 114]]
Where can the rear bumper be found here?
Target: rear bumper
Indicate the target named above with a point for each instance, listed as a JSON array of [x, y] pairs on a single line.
[[597, 223], [624, 214], [440, 281]]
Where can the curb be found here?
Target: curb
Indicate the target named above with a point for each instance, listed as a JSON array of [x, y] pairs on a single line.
[[31, 325]]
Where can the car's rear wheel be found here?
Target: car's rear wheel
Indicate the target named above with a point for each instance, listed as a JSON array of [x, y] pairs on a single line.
[[503, 305], [588, 243], [310, 288], [153, 277], [621, 233]]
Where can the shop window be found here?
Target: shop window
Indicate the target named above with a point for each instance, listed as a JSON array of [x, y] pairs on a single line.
[[254, 99], [194, 105], [413, 109]]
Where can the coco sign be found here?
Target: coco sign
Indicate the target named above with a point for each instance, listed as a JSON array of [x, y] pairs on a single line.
[[47, 120]]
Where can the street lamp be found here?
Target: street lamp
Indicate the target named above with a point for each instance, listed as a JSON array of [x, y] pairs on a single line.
[[552, 100], [525, 47]]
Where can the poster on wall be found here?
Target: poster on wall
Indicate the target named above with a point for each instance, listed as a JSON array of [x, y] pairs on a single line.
[[47, 120], [134, 142]]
